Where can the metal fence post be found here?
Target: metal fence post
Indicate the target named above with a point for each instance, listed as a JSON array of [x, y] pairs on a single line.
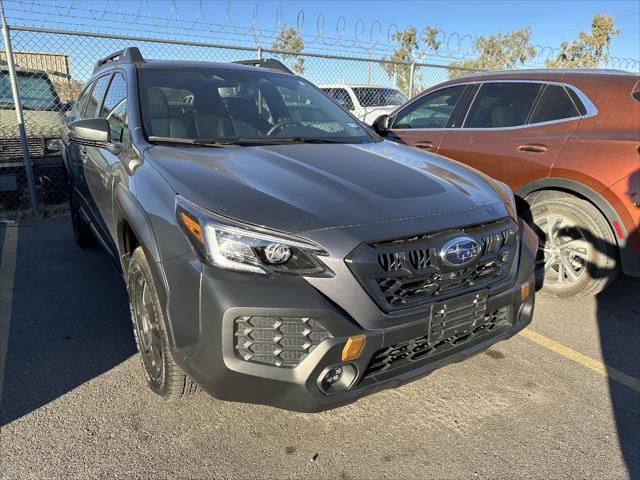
[[19, 116], [411, 73]]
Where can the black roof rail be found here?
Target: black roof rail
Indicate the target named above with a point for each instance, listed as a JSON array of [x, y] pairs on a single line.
[[128, 55], [271, 63]]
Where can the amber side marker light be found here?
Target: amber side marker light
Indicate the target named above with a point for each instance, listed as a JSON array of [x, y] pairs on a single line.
[[192, 226], [524, 291], [352, 348]]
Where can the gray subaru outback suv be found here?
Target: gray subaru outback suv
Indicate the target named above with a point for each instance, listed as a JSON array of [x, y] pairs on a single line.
[[277, 251]]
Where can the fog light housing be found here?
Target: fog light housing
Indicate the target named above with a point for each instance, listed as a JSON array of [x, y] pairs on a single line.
[[337, 378], [525, 313]]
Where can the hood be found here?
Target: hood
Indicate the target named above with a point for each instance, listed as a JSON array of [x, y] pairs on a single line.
[[303, 187], [39, 123]]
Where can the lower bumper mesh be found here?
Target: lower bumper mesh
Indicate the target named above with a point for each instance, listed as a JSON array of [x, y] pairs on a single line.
[[421, 348], [277, 341]]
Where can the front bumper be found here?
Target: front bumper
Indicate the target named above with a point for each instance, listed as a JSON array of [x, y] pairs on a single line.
[[48, 171], [212, 361]]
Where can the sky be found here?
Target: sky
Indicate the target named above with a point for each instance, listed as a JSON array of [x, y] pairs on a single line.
[[321, 22], [551, 21]]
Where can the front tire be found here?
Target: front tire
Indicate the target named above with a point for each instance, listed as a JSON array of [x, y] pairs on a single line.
[[577, 255], [163, 376]]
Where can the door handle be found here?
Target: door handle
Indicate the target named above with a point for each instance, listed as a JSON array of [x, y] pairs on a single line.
[[533, 148], [424, 145]]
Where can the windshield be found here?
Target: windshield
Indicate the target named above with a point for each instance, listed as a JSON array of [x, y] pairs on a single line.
[[226, 105], [36, 92], [378, 97]]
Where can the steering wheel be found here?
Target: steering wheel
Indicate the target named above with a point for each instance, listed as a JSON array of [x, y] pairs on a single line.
[[279, 126]]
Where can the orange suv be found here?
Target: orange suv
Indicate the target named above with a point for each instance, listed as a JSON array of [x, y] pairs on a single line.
[[566, 141]]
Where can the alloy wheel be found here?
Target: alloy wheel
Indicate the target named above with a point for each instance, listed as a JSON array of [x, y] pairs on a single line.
[[565, 250], [148, 330]]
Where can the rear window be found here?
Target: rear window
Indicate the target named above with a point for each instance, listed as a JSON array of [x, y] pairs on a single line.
[[499, 105], [554, 104]]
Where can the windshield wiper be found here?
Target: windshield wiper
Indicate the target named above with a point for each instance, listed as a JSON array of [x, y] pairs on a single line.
[[206, 142], [242, 142], [283, 140], [317, 140]]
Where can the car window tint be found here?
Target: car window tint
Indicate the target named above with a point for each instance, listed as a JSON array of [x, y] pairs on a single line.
[[96, 97], [118, 124], [431, 111], [500, 105], [341, 96], [36, 91], [114, 108], [243, 104], [82, 101], [378, 97], [554, 104], [577, 102]]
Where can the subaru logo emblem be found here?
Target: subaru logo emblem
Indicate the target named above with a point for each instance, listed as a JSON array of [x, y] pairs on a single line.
[[459, 251]]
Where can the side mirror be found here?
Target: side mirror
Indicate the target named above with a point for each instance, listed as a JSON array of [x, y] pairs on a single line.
[[92, 132], [381, 125]]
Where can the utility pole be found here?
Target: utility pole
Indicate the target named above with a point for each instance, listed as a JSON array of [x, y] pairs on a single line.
[[19, 116], [411, 73]]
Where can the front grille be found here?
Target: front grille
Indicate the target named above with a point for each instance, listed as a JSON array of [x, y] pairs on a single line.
[[277, 341], [427, 346], [410, 272], [11, 148]]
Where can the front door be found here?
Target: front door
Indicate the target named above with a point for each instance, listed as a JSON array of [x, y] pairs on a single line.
[[422, 123]]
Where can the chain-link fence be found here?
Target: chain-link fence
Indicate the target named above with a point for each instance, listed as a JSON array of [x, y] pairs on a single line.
[[52, 65]]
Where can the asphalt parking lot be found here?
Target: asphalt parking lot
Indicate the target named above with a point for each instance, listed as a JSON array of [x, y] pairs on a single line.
[[560, 400]]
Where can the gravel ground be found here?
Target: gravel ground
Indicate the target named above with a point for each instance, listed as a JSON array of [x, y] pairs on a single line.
[[74, 403]]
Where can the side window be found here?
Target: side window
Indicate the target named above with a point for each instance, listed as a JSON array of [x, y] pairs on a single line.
[[82, 101], [431, 111], [96, 97], [500, 105], [341, 96], [554, 104], [576, 101], [114, 109]]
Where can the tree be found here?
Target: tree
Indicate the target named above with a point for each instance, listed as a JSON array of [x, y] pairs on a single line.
[[289, 40], [497, 52], [409, 51], [589, 50]]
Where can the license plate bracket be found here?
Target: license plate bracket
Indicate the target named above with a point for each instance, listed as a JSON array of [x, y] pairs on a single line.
[[8, 183], [458, 315]]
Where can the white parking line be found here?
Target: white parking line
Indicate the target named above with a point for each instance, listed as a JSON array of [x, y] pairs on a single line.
[[7, 273]]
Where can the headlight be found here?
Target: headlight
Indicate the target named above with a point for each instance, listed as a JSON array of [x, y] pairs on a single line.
[[506, 194], [228, 244], [53, 145]]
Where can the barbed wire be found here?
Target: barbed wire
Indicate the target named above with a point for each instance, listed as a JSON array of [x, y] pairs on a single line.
[[192, 18]]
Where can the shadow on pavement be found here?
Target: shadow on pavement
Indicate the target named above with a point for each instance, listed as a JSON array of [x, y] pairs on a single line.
[[69, 321], [619, 326]]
